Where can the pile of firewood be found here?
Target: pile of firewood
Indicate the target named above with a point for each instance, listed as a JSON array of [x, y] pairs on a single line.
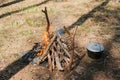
[[59, 54]]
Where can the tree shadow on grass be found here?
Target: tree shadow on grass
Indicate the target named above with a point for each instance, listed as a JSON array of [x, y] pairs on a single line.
[[16, 11], [84, 17], [10, 3], [108, 16]]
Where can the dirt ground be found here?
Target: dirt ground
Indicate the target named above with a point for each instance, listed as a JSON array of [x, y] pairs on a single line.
[[22, 24]]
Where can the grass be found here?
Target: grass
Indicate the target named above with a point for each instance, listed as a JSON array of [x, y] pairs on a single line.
[[85, 28], [16, 24], [35, 22], [26, 32], [1, 43], [31, 9]]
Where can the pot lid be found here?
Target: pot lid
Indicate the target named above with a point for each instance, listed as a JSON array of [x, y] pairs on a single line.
[[95, 47]]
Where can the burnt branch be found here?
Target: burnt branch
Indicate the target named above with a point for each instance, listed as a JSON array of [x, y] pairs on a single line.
[[47, 19], [66, 30]]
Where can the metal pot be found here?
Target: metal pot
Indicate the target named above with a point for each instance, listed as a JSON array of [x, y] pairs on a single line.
[[95, 50]]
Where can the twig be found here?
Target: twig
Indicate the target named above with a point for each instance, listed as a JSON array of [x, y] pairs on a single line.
[[47, 18], [73, 45], [66, 30]]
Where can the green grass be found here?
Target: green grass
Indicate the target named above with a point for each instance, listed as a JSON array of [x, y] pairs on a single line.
[[85, 28], [1, 43], [26, 32], [16, 24], [35, 22]]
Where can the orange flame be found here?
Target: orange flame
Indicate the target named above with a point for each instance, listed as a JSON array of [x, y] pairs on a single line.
[[46, 42]]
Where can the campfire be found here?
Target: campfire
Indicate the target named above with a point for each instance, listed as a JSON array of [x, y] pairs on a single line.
[[59, 53]]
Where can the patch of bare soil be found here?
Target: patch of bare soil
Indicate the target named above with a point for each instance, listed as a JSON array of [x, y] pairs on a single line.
[[32, 72]]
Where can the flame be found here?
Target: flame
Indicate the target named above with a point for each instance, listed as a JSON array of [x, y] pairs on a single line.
[[46, 42]]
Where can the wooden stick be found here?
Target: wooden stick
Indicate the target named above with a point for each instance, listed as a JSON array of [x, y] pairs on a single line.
[[73, 45], [45, 58], [50, 62], [47, 49], [65, 46], [76, 53], [66, 60], [58, 64], [67, 53], [66, 30], [47, 18], [53, 59]]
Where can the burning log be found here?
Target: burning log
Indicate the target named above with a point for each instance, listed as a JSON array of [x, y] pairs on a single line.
[[47, 48]]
